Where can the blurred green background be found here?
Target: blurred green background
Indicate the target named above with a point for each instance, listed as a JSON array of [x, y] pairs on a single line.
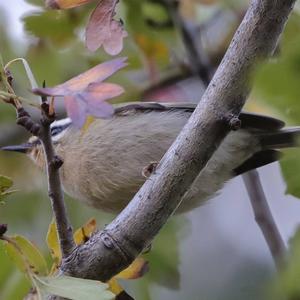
[[216, 251]]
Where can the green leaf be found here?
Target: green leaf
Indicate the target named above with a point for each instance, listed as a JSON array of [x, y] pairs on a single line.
[[154, 44], [1, 62], [60, 27], [290, 166], [5, 183], [286, 285], [16, 257], [36, 2], [277, 82], [50, 24], [33, 255], [73, 288], [155, 12], [26, 256], [8, 193], [164, 260]]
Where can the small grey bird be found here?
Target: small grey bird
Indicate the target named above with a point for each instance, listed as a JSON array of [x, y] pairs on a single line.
[[103, 165]]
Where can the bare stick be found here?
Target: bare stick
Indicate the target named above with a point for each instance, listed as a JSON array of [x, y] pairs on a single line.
[[198, 61], [56, 194], [263, 216], [53, 163], [114, 248]]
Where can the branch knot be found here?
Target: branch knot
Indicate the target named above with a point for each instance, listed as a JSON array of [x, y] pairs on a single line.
[[234, 122], [56, 162], [48, 114]]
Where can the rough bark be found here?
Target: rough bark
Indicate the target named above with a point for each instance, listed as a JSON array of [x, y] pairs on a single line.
[[114, 248]]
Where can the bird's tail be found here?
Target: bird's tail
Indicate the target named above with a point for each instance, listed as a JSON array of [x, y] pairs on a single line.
[[270, 142], [284, 138]]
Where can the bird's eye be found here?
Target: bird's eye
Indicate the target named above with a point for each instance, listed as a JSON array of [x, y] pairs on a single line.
[[59, 126], [56, 130]]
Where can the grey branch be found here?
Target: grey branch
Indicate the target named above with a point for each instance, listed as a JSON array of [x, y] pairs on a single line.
[[109, 251], [64, 228], [263, 217], [262, 212], [42, 130]]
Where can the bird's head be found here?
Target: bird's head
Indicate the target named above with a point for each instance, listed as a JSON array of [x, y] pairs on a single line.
[[33, 147]]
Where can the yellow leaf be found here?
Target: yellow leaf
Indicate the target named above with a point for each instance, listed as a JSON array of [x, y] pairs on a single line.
[[64, 4], [16, 257], [83, 233], [136, 270], [152, 48], [80, 236], [88, 122], [114, 286], [52, 242]]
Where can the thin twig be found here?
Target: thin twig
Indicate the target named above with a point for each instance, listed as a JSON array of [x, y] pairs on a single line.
[[263, 216], [56, 195], [53, 163], [198, 61]]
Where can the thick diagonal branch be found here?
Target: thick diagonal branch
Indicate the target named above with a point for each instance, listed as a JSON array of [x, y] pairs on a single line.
[[109, 251], [262, 212]]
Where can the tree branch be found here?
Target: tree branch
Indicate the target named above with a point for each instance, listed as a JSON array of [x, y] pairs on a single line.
[[56, 195], [262, 212], [114, 248], [53, 163], [264, 218], [198, 61]]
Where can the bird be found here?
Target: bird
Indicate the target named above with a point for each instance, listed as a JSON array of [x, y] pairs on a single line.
[[103, 164]]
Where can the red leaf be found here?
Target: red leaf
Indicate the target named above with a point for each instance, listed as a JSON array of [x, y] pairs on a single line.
[[96, 93], [103, 91], [82, 81], [102, 29], [76, 110], [85, 94], [100, 109], [114, 44]]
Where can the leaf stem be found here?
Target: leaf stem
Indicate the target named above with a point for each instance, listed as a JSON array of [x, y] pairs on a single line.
[[6, 96], [27, 68]]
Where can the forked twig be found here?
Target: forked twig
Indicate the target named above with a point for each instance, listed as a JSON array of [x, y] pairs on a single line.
[[53, 163]]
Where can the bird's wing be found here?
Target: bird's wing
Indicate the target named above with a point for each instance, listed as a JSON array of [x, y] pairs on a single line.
[[249, 120]]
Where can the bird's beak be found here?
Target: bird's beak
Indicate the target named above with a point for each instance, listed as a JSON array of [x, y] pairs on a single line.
[[22, 148]]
